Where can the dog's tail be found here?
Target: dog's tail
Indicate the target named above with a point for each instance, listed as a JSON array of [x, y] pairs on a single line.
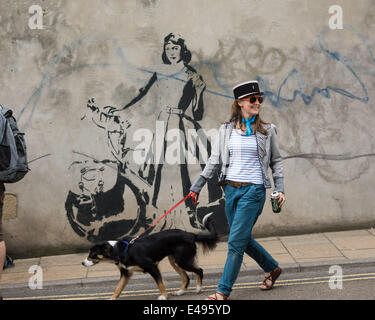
[[208, 240]]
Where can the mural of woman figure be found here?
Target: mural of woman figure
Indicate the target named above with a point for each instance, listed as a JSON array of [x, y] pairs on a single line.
[[175, 105]]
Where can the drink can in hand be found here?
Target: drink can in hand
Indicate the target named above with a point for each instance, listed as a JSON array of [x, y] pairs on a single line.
[[275, 196]]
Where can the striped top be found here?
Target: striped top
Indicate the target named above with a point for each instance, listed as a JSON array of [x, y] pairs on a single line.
[[244, 163]]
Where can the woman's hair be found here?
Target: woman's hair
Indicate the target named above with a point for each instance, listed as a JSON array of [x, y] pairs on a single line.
[[237, 117], [177, 40]]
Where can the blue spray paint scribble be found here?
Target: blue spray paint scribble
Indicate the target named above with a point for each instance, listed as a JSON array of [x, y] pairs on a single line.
[[275, 98]]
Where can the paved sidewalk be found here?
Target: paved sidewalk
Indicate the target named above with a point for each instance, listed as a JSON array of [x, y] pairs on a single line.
[[294, 253]]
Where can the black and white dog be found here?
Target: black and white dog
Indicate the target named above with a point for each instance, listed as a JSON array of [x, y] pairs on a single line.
[[146, 252]]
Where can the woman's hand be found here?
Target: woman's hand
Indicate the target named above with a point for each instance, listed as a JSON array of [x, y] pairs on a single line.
[[281, 199], [197, 80], [194, 196]]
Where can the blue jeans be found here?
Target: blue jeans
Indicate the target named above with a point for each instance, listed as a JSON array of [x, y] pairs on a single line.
[[243, 207]]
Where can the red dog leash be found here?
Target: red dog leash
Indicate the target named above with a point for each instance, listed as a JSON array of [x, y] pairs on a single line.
[[165, 214]]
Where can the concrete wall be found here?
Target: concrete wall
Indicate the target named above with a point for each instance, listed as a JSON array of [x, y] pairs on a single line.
[[87, 179]]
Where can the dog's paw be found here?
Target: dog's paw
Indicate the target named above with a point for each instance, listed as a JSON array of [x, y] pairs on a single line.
[[178, 292], [161, 297], [198, 289], [113, 297]]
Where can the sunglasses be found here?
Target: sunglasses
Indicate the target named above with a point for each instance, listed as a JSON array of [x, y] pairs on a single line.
[[253, 99]]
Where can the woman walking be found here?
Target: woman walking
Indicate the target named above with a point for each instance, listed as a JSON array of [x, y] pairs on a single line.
[[244, 149]]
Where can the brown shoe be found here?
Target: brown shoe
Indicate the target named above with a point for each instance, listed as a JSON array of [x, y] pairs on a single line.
[[271, 278], [217, 296]]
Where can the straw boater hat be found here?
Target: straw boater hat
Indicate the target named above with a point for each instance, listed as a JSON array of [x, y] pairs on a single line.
[[246, 89]]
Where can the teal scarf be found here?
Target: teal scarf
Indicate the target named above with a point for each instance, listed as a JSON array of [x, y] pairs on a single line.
[[249, 130]]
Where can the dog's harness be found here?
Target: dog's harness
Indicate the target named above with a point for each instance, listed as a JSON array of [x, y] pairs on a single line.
[[164, 215], [127, 246], [118, 254]]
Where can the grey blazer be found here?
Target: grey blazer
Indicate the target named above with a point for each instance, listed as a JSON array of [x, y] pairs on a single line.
[[268, 153]]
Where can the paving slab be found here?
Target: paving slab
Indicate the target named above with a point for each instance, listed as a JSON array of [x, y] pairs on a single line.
[[213, 259], [352, 240], [22, 265], [63, 260], [274, 246], [64, 272], [15, 277], [312, 246], [359, 254]]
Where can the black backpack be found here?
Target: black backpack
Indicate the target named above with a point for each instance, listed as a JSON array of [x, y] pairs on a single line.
[[13, 160]]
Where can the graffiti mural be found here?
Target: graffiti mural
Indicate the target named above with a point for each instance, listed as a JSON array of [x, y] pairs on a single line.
[[159, 171], [150, 173]]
